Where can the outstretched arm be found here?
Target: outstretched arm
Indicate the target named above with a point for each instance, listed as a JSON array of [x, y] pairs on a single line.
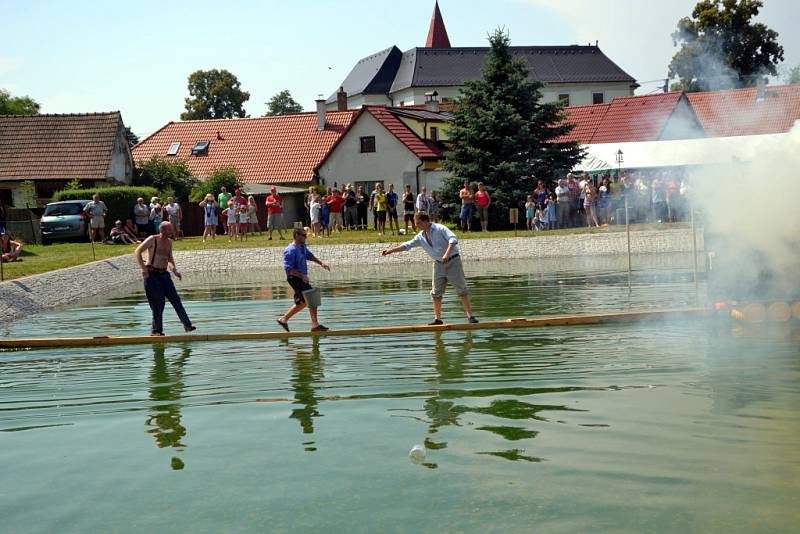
[[387, 251]]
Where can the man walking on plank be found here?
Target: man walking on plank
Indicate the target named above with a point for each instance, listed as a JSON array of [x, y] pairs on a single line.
[[158, 285], [442, 245], [295, 258]]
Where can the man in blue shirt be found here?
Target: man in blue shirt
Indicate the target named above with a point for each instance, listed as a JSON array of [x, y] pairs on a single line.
[[295, 258], [442, 245], [391, 211]]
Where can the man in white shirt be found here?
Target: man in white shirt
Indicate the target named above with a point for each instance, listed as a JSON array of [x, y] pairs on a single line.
[[423, 202], [562, 208], [442, 245], [96, 210]]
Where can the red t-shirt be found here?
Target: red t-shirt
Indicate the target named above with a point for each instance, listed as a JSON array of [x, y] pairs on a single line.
[[275, 198], [335, 203], [481, 199]]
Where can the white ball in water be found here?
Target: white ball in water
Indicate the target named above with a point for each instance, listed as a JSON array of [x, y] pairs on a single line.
[[417, 454]]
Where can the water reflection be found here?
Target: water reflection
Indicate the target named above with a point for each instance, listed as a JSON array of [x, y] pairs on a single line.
[[307, 370], [443, 409], [166, 389]]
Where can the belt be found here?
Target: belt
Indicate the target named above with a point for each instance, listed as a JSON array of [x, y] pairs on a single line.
[[155, 269], [451, 257]]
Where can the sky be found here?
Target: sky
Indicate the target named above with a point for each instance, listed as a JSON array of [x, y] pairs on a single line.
[[135, 57]]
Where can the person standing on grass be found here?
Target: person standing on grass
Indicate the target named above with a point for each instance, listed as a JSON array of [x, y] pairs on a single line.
[[210, 218], [373, 205], [96, 210], [141, 215], [222, 202], [362, 205], [158, 285], [482, 201], [295, 262], [252, 215], [229, 214], [408, 209], [275, 213], [175, 216], [433, 207], [335, 203], [467, 206], [391, 209], [442, 245], [381, 208], [350, 208], [423, 201]]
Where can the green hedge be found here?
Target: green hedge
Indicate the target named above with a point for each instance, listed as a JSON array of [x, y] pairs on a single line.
[[119, 200]]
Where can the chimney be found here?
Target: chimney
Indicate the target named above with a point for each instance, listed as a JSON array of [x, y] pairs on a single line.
[[320, 114], [761, 89], [432, 101], [341, 100]]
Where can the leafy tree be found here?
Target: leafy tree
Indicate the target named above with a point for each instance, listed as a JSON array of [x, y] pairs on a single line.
[[721, 48], [133, 139], [214, 94], [225, 176], [17, 105], [792, 75], [282, 104], [170, 177], [503, 134]]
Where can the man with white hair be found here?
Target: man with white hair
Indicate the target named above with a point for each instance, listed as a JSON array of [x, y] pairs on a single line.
[[158, 285]]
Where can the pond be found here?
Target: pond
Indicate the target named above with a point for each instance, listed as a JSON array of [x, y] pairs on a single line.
[[673, 426]]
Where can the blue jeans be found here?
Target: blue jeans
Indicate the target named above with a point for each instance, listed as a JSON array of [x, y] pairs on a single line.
[[159, 287]]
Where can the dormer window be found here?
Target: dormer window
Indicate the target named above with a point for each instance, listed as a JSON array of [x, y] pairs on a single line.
[[200, 148], [173, 149]]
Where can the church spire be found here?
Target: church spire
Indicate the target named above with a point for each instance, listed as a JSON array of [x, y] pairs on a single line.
[[437, 33]]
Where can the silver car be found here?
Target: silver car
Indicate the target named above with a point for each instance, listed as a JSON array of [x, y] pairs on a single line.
[[64, 220]]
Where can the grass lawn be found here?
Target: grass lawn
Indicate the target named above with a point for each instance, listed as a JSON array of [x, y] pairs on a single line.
[[40, 259]]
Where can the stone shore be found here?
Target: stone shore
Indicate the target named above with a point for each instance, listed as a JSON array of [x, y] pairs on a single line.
[[35, 294]]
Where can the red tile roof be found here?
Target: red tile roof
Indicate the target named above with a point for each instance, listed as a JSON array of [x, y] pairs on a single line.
[[58, 147], [624, 119], [266, 150], [421, 148], [737, 112], [636, 118], [586, 119]]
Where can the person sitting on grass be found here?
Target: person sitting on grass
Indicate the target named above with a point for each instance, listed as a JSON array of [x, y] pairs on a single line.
[[131, 230], [118, 235], [10, 250]]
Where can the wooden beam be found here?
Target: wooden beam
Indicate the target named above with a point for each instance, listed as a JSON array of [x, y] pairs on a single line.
[[517, 322]]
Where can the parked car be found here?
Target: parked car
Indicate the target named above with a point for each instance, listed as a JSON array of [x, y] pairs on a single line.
[[64, 220]]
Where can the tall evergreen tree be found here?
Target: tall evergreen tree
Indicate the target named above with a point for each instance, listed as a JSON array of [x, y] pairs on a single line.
[[503, 134], [133, 139]]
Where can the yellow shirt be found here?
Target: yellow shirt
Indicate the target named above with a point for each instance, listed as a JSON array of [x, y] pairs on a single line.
[[380, 202]]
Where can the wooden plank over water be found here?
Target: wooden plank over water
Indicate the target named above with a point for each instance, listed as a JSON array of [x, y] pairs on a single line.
[[516, 322]]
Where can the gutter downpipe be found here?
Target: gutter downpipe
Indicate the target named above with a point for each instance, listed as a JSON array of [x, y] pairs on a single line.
[[416, 171]]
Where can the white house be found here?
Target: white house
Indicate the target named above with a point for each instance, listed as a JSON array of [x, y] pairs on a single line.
[[577, 75], [388, 145]]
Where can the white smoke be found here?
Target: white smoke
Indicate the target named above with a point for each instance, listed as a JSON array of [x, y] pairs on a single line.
[[752, 209]]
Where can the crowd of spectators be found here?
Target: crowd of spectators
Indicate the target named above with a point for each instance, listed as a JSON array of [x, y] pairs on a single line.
[[599, 200], [348, 209]]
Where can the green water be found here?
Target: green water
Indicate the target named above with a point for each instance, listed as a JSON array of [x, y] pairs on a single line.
[[687, 426]]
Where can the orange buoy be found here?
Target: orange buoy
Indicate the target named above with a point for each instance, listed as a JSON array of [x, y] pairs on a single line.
[[754, 313], [779, 312]]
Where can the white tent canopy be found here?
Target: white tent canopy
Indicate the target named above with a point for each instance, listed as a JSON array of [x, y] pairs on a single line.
[[682, 152]]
